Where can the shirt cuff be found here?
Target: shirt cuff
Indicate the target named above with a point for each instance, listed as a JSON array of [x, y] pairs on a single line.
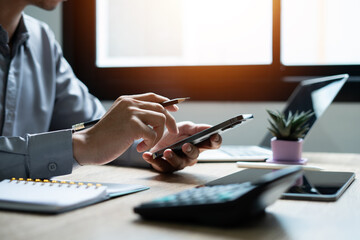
[[50, 154]]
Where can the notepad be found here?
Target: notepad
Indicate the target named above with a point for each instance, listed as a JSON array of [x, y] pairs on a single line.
[[53, 196]]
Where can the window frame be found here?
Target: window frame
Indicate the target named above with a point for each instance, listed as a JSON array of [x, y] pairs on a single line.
[[273, 82]]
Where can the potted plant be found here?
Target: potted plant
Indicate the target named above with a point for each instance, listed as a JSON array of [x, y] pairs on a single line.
[[288, 132]]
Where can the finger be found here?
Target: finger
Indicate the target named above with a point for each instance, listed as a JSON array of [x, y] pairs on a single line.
[[149, 97], [191, 151], [189, 128], [156, 121], [149, 136], [152, 97], [179, 162], [170, 120], [159, 164], [214, 142], [174, 160], [172, 108], [171, 123]]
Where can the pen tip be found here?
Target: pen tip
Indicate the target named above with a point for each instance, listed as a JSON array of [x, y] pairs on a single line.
[[183, 99]]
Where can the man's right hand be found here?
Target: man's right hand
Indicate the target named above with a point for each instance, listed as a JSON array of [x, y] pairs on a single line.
[[130, 118]]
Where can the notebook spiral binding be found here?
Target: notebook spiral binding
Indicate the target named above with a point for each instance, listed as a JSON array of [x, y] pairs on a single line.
[[51, 182]]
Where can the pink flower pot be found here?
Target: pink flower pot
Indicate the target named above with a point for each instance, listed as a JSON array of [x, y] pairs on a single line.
[[287, 151]]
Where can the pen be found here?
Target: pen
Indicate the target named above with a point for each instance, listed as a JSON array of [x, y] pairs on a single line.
[[273, 166], [174, 101], [83, 125]]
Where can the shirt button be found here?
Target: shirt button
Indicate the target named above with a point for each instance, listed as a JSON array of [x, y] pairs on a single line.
[[52, 167], [10, 116]]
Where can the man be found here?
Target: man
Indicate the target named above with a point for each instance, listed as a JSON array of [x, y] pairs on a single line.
[[40, 99]]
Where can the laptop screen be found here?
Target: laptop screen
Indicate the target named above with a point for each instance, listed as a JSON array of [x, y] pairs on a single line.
[[313, 94]]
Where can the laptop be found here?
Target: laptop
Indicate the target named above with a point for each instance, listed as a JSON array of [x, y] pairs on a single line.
[[313, 94]]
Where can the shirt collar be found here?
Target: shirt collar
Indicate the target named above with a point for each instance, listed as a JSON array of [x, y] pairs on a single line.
[[4, 38], [21, 35]]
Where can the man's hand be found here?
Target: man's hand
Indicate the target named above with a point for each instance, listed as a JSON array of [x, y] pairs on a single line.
[[172, 162], [129, 118]]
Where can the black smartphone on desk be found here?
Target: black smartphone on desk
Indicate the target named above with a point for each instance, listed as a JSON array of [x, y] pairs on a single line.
[[205, 134], [313, 185]]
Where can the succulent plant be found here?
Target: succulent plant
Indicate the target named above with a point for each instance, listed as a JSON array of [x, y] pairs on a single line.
[[292, 127]]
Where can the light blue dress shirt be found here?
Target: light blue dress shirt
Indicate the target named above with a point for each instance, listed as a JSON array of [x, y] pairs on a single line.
[[40, 99]]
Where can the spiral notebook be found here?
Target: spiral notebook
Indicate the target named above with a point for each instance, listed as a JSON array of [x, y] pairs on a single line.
[[54, 196]]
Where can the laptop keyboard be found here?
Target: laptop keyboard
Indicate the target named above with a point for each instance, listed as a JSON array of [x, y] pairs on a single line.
[[245, 151]]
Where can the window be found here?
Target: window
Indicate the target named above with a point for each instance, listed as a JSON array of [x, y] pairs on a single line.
[[320, 32], [250, 50], [183, 32]]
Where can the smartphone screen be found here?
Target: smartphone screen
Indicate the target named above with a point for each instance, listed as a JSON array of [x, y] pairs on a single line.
[[205, 134], [313, 185]]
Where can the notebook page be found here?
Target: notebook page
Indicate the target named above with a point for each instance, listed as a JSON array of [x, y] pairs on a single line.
[[115, 189], [58, 195]]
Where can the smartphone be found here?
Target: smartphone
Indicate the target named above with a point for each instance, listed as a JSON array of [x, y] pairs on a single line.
[[205, 134], [313, 185]]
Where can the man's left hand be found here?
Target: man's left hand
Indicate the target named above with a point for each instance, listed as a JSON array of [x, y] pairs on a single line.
[[171, 162]]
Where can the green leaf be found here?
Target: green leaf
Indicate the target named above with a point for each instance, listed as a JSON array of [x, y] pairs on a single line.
[[290, 127]]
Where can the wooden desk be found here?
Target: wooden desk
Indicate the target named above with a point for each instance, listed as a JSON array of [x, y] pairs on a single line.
[[114, 219]]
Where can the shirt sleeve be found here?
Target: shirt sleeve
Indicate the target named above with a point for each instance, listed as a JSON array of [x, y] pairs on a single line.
[[48, 152], [41, 155], [74, 103]]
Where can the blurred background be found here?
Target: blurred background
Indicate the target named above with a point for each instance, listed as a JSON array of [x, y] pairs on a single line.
[[229, 56]]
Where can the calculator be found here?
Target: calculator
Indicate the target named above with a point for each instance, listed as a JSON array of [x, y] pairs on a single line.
[[222, 205]]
